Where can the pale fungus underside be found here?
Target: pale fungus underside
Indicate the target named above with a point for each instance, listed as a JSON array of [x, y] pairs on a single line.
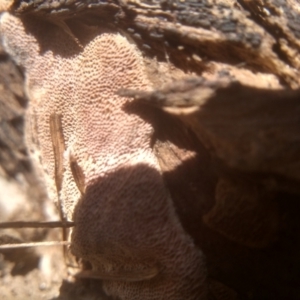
[[164, 129], [125, 223]]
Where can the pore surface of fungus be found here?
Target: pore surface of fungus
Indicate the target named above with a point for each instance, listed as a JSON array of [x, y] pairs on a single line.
[[97, 162]]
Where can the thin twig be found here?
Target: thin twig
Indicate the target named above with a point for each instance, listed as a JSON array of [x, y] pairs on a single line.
[[34, 244], [36, 224]]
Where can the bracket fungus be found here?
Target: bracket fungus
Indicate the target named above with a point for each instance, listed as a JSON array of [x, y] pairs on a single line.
[[97, 162]]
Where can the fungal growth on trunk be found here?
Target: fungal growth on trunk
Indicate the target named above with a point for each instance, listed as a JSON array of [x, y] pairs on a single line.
[[97, 162]]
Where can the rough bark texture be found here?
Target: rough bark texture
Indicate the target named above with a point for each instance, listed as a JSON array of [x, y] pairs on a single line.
[[227, 139]]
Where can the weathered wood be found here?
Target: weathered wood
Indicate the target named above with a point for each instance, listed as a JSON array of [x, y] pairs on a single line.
[[263, 38], [249, 129]]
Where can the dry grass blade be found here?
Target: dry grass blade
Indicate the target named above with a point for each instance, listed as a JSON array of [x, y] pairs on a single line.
[[34, 244], [35, 224]]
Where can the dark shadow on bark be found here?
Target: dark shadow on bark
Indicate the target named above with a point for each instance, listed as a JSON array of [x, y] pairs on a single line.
[[271, 272]]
